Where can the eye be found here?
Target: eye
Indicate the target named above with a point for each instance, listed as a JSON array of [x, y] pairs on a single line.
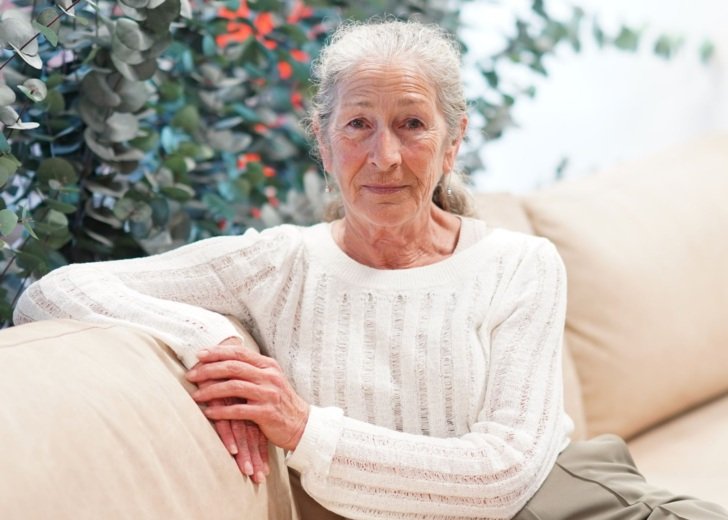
[[357, 123], [413, 124]]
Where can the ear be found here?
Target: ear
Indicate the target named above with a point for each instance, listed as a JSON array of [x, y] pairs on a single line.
[[453, 146], [322, 145]]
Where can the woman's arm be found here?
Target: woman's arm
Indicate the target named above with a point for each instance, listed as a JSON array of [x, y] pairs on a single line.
[[178, 297], [364, 471]]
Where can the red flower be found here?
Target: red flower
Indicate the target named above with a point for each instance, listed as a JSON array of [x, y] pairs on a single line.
[[241, 12], [268, 171], [255, 212], [300, 56], [297, 100], [299, 11], [243, 160], [264, 23], [285, 71]]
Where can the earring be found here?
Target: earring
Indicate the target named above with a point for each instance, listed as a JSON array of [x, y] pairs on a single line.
[[449, 189], [327, 189]]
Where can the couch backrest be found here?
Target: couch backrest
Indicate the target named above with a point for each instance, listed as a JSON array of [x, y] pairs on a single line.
[[96, 423], [506, 211], [646, 252]]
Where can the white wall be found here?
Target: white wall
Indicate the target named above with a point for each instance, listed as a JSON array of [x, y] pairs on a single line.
[[599, 107]]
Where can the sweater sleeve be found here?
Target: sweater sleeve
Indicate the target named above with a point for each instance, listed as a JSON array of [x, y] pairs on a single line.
[[178, 297], [363, 471]]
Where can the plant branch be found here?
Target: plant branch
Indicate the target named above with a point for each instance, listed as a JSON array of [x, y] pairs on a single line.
[[58, 17]]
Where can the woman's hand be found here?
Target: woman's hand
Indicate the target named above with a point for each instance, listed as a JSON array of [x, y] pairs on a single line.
[[258, 389], [245, 442]]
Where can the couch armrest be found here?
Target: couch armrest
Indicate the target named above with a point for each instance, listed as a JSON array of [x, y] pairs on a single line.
[[97, 422]]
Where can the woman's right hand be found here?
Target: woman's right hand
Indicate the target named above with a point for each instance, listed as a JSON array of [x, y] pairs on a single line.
[[244, 441]]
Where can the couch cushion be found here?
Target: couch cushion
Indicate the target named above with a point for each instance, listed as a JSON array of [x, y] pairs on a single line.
[[645, 247], [96, 423], [688, 455], [505, 210]]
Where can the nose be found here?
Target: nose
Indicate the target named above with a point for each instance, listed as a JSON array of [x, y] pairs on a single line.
[[385, 150]]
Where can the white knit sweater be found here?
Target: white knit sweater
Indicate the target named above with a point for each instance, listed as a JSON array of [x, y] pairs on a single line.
[[436, 391]]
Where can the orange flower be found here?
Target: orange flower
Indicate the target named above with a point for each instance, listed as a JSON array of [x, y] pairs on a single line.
[[261, 128], [255, 212], [268, 171], [244, 159], [299, 11], [264, 23], [237, 32], [299, 55], [285, 71], [268, 44], [242, 11], [297, 100]]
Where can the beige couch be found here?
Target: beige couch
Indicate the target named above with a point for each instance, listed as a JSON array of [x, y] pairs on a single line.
[[97, 422]]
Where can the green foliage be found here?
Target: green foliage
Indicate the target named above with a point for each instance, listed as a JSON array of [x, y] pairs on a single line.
[[133, 126]]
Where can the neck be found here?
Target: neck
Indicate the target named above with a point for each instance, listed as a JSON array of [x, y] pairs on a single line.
[[413, 244]]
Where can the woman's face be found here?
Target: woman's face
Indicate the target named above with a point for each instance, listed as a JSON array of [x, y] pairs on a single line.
[[387, 144]]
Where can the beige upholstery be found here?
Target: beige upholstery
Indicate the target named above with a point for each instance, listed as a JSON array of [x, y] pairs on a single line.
[[96, 423], [646, 252], [689, 454]]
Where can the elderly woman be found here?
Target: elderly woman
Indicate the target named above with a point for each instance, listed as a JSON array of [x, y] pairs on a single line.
[[411, 362]]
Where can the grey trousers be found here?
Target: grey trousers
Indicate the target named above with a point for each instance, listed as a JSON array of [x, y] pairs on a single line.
[[592, 480]]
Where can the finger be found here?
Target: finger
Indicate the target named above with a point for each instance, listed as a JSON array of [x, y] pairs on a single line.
[[233, 388], [243, 458], [263, 450], [237, 353], [253, 434], [229, 369], [225, 432], [235, 412]]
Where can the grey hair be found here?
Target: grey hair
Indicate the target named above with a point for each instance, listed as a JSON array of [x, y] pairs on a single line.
[[430, 48]]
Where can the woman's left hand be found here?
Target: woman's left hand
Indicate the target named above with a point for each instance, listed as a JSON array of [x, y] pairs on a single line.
[[270, 401]]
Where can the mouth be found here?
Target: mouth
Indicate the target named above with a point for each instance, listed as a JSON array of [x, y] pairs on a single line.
[[382, 189]]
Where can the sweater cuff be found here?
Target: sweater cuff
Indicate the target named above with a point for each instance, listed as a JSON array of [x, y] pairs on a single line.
[[188, 353], [315, 450]]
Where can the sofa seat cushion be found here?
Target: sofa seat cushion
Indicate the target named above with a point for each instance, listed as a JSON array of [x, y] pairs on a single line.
[[689, 454], [645, 247], [96, 422]]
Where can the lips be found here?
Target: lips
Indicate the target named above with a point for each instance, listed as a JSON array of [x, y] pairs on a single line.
[[383, 189]]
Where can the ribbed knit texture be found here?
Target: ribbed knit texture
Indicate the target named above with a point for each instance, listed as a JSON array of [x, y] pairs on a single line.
[[436, 390]]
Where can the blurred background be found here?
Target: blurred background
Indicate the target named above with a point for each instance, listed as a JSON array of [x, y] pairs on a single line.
[[129, 127], [602, 105]]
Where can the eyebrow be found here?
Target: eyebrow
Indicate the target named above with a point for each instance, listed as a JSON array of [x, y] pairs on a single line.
[[367, 104]]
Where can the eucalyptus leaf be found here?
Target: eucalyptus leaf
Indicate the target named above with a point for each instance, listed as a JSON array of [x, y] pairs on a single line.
[[34, 88], [7, 96], [4, 145], [91, 114], [8, 167], [8, 221], [179, 192], [58, 169], [187, 118], [129, 33], [55, 103], [94, 85], [126, 54], [49, 19], [16, 31], [63, 207], [136, 4], [121, 127], [50, 34], [134, 95], [159, 19], [8, 115], [138, 72]]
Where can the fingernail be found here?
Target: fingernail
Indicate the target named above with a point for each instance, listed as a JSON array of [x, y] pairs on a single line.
[[233, 449], [192, 373], [248, 468], [266, 468], [259, 477], [202, 353]]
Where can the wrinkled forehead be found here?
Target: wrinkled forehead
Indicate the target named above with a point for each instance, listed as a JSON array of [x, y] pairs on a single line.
[[390, 83]]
